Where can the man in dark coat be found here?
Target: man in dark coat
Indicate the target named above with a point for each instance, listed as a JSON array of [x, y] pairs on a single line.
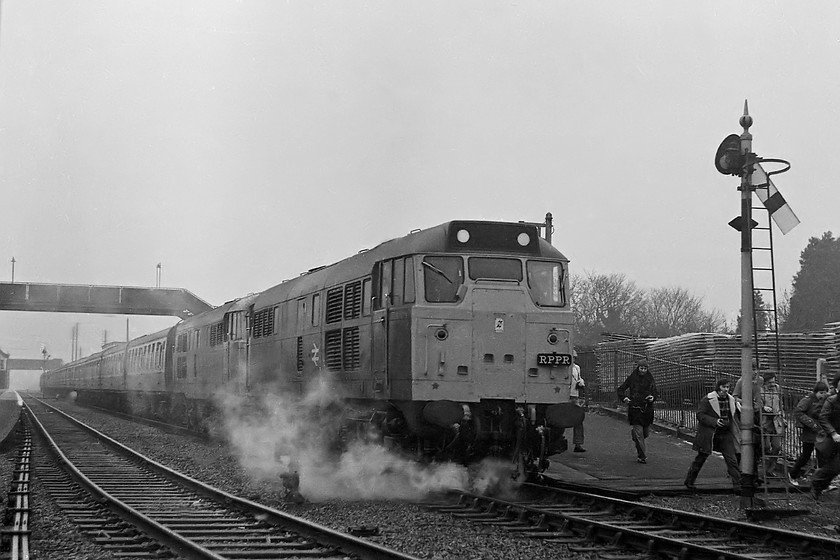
[[830, 422], [717, 430], [639, 391], [807, 414]]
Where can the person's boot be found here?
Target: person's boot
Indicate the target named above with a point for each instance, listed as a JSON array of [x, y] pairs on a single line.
[[690, 477]]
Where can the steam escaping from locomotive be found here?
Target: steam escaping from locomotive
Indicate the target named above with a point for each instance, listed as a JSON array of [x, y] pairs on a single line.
[[279, 436]]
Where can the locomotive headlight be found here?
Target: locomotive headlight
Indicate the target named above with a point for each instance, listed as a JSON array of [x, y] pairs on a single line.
[[441, 334], [523, 239], [463, 235], [553, 338]]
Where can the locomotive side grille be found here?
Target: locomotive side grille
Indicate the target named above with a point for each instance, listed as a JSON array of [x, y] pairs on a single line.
[[334, 297], [263, 323], [300, 353], [217, 333], [351, 348], [181, 344], [353, 300], [332, 340]]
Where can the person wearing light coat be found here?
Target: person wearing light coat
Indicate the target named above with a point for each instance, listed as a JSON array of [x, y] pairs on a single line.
[[718, 429]]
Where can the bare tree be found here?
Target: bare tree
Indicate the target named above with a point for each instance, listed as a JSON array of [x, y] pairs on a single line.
[[674, 311], [612, 303], [605, 303]]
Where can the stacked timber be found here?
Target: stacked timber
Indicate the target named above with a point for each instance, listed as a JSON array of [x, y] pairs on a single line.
[[700, 358], [616, 359]]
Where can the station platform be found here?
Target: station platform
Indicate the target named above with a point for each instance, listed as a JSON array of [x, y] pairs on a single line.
[[10, 405], [610, 459]]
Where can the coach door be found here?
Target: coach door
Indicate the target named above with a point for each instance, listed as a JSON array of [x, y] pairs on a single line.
[[168, 363], [380, 326], [236, 350], [499, 342]]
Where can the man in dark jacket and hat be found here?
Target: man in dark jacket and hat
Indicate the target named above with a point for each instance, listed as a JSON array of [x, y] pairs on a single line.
[[830, 422], [717, 430], [807, 414], [639, 391]]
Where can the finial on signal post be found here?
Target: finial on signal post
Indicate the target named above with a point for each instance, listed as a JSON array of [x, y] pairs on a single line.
[[746, 120]]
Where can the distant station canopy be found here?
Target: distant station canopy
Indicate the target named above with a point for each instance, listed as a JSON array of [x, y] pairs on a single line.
[[119, 300]]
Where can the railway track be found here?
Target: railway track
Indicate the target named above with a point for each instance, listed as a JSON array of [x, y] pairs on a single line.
[[134, 506], [618, 529]]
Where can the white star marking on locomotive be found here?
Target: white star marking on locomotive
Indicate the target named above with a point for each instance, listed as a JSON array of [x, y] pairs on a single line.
[[315, 351]]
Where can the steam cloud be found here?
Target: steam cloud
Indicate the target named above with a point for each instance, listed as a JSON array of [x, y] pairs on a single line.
[[284, 436]]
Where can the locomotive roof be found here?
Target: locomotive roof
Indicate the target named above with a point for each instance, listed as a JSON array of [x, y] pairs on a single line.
[[432, 240]]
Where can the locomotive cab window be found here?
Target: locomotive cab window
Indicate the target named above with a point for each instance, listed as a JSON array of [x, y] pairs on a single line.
[[316, 310], [442, 276], [487, 268], [367, 296], [547, 283]]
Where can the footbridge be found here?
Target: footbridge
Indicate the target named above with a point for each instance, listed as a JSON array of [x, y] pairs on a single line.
[[117, 300]]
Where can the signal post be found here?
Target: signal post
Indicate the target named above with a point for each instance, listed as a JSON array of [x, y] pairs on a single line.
[[735, 157], [747, 318]]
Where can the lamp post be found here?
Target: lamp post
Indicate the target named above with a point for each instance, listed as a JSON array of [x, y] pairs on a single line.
[[157, 281], [13, 270]]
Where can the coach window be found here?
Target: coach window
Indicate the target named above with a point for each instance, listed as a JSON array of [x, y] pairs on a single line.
[[547, 283], [366, 296], [316, 310], [442, 276]]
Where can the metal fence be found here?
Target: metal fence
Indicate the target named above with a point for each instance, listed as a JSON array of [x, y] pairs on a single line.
[[681, 387]]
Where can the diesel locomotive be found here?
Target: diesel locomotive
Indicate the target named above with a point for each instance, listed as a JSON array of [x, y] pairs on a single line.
[[451, 342]]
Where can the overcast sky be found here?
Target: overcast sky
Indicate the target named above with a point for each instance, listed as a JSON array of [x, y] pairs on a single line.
[[240, 143]]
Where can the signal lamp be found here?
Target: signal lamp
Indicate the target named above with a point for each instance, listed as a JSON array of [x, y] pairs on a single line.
[[729, 160]]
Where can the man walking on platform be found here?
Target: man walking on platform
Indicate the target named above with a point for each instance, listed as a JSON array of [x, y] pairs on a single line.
[[576, 383], [830, 422], [639, 391], [717, 430], [807, 414]]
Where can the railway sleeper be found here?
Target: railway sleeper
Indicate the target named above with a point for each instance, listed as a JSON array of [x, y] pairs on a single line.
[[548, 534], [477, 515], [279, 548], [271, 539]]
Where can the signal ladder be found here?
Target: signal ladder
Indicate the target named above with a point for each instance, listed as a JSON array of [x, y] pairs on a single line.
[[772, 467]]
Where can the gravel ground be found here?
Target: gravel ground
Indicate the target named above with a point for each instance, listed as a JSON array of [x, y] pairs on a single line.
[[823, 518], [403, 526]]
